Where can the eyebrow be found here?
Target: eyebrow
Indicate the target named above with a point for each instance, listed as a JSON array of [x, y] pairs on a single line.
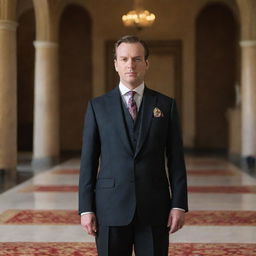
[[139, 56]]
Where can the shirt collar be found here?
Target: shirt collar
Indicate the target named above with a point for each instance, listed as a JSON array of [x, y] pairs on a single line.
[[123, 89]]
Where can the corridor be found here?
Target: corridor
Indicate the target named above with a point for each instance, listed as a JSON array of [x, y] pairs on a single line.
[[39, 216]]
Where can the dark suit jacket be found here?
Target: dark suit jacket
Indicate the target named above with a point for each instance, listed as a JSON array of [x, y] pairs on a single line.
[[114, 179]]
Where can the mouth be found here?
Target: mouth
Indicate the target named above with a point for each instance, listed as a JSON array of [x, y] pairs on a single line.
[[131, 73]]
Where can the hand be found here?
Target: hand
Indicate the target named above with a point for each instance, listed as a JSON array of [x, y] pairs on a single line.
[[88, 222], [176, 220]]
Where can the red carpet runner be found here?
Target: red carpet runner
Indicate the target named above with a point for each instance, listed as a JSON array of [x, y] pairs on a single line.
[[191, 189], [70, 217], [88, 249]]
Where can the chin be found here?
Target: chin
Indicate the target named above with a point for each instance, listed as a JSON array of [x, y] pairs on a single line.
[[131, 81]]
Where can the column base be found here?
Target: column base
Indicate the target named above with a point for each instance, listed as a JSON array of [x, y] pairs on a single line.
[[235, 159], [248, 163], [8, 179], [44, 163], [8, 173]]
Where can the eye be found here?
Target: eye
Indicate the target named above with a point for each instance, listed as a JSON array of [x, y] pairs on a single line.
[[124, 59], [138, 59]]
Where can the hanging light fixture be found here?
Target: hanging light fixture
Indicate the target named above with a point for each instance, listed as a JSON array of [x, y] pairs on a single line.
[[138, 17]]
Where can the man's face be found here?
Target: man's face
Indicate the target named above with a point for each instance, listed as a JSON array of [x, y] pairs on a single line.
[[130, 64]]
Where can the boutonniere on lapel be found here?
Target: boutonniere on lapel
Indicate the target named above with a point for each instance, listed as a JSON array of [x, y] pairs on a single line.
[[157, 112]]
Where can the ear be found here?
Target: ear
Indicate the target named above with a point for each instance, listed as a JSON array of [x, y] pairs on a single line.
[[115, 63], [147, 64]]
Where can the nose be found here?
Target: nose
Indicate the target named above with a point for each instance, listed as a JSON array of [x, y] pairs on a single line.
[[130, 63]]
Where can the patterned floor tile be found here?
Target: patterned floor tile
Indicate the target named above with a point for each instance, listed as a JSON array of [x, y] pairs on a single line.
[[40, 217], [219, 172], [214, 172], [222, 189], [206, 161], [221, 218], [191, 189], [66, 171], [88, 249], [70, 217], [50, 188]]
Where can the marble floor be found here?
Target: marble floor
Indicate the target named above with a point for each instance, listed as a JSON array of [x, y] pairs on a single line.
[[39, 216]]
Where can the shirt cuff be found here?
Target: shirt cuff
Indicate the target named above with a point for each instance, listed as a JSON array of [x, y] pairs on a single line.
[[179, 209], [84, 213]]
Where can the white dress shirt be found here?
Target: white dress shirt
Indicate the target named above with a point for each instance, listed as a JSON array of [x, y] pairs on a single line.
[[138, 98]]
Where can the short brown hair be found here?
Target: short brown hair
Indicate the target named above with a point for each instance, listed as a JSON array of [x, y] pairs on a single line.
[[132, 39]]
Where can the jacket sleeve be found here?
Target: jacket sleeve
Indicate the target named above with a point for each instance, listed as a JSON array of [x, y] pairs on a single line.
[[175, 161], [89, 162]]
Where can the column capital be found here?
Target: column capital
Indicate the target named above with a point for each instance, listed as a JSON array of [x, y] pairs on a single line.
[[8, 25], [248, 43], [45, 44]]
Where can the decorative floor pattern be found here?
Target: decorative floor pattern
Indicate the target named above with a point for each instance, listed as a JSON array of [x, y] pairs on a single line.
[[222, 189], [221, 218], [51, 188], [40, 217], [213, 172], [206, 161], [44, 220], [70, 217], [218, 172], [66, 171], [88, 249], [191, 189], [47, 249]]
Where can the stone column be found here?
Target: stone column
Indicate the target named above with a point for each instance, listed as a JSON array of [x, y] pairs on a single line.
[[8, 96], [248, 99], [46, 105]]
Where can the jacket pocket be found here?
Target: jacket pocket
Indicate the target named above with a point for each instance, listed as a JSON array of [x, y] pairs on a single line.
[[105, 183]]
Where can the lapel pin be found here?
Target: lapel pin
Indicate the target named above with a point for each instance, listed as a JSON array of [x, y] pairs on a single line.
[[157, 112]]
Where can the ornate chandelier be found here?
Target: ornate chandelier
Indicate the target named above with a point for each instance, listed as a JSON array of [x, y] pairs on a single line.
[[138, 17]]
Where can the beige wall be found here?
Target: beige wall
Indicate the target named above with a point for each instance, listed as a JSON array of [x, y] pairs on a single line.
[[175, 20]]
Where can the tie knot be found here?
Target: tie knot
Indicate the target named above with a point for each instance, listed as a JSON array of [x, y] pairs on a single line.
[[131, 93]]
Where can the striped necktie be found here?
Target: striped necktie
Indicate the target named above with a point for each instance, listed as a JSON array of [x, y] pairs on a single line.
[[132, 107]]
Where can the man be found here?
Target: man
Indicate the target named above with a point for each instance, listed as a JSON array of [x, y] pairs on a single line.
[[124, 188]]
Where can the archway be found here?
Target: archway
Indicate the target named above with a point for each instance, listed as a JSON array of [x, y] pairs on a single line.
[[25, 79], [216, 75], [75, 75]]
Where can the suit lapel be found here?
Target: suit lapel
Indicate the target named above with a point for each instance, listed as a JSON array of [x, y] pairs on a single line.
[[149, 101], [115, 110]]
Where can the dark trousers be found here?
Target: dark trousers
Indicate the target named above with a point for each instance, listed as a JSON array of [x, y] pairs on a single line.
[[120, 241]]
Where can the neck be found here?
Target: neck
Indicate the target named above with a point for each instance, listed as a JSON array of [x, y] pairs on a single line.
[[131, 86]]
